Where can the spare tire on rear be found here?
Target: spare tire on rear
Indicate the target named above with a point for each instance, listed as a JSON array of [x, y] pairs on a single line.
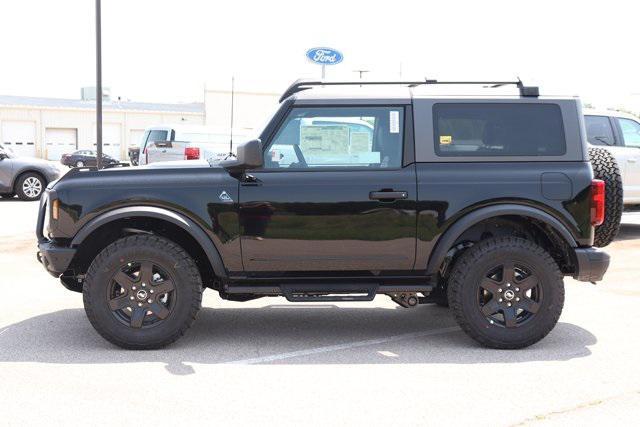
[[606, 168]]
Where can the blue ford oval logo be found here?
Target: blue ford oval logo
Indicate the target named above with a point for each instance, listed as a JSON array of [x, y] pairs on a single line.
[[324, 56]]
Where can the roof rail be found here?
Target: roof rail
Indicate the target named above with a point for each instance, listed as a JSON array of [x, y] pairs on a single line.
[[305, 84]]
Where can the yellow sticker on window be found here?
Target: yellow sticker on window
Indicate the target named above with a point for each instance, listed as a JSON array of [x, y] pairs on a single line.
[[445, 139]]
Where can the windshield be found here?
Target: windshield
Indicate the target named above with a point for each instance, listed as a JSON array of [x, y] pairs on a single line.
[[6, 150]]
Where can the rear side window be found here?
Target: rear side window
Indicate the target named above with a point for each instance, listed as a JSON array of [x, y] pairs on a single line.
[[158, 135], [599, 131], [485, 130]]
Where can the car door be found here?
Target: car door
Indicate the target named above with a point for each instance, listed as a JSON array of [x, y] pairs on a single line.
[[157, 141], [330, 197], [629, 131]]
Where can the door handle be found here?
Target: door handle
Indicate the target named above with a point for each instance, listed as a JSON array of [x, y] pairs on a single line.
[[388, 195]]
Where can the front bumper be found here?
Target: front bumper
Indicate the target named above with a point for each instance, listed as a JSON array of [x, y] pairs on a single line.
[[592, 264], [55, 259]]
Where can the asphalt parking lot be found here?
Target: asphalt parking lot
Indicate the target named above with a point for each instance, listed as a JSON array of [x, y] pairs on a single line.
[[268, 361]]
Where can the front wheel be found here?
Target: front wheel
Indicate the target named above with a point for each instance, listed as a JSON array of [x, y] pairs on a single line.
[[30, 186], [506, 292], [79, 164], [142, 292]]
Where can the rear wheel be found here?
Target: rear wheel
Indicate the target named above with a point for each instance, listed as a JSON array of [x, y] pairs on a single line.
[[506, 292], [606, 168], [79, 164], [142, 292]]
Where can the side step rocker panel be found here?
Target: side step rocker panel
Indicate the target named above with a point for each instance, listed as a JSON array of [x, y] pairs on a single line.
[[310, 291]]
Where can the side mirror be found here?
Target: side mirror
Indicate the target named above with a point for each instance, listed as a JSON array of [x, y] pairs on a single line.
[[249, 156], [3, 155]]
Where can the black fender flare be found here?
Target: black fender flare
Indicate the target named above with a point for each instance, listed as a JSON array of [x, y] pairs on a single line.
[[181, 221], [448, 238]]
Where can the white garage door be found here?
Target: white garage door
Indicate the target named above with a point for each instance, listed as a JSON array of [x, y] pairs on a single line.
[[20, 137], [111, 141], [59, 141], [135, 135]]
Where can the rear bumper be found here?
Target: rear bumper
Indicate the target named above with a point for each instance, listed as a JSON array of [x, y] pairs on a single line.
[[592, 264], [55, 259]]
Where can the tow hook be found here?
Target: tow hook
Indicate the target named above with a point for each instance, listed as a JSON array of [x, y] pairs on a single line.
[[405, 299]]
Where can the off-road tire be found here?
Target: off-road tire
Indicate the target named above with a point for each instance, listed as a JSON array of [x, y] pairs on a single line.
[[160, 251], [20, 183], [470, 269], [606, 168]]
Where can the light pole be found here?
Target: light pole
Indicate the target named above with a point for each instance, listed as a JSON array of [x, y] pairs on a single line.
[[98, 85]]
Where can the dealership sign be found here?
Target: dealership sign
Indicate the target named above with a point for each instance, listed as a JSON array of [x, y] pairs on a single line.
[[324, 56]]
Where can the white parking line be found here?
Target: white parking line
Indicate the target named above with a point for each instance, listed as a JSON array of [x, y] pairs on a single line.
[[338, 347]]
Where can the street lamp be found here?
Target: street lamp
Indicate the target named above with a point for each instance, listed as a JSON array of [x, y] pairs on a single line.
[[98, 85]]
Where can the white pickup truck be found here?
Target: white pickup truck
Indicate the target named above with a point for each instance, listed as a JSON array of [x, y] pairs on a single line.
[[619, 134], [186, 142]]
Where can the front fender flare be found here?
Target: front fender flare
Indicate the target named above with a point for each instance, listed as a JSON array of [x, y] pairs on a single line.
[[181, 221], [448, 238]]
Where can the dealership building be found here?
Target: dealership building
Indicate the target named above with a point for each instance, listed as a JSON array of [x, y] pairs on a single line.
[[50, 127]]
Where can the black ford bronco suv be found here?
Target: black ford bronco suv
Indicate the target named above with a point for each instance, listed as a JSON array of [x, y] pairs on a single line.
[[482, 203]]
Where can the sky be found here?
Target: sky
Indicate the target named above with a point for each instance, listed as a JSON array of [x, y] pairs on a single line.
[[169, 50]]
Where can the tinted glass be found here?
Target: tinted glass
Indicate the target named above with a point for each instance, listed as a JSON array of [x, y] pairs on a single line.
[[362, 137], [599, 131], [630, 132], [157, 135], [498, 130]]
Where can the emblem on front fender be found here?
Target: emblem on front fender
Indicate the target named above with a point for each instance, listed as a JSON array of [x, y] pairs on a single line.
[[225, 197]]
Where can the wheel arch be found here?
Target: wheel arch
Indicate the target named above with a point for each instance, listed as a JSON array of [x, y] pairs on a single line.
[[188, 226], [449, 237]]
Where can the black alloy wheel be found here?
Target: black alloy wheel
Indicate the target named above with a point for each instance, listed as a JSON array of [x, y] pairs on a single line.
[[141, 294], [509, 295]]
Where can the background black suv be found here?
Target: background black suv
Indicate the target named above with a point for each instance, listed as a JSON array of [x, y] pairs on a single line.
[[480, 203]]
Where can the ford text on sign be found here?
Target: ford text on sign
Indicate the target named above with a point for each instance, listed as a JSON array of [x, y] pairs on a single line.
[[324, 56]]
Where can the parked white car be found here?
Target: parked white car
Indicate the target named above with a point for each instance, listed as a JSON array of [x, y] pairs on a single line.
[[186, 142], [619, 134]]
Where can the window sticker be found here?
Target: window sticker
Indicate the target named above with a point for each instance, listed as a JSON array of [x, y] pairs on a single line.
[[445, 139], [360, 142], [394, 121]]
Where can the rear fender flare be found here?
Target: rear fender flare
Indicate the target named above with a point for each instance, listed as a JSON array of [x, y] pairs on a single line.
[[446, 240], [181, 221]]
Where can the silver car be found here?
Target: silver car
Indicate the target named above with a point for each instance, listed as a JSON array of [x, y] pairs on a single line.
[[25, 177]]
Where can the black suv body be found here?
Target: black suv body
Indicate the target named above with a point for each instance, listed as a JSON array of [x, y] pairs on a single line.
[[481, 203]]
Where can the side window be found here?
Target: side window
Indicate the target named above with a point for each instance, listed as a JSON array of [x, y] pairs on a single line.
[[348, 137], [599, 130], [630, 132], [495, 129]]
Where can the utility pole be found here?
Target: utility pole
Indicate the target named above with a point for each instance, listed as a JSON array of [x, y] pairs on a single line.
[[98, 85]]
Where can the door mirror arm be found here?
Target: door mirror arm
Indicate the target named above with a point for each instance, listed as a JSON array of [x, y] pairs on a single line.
[[249, 156]]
